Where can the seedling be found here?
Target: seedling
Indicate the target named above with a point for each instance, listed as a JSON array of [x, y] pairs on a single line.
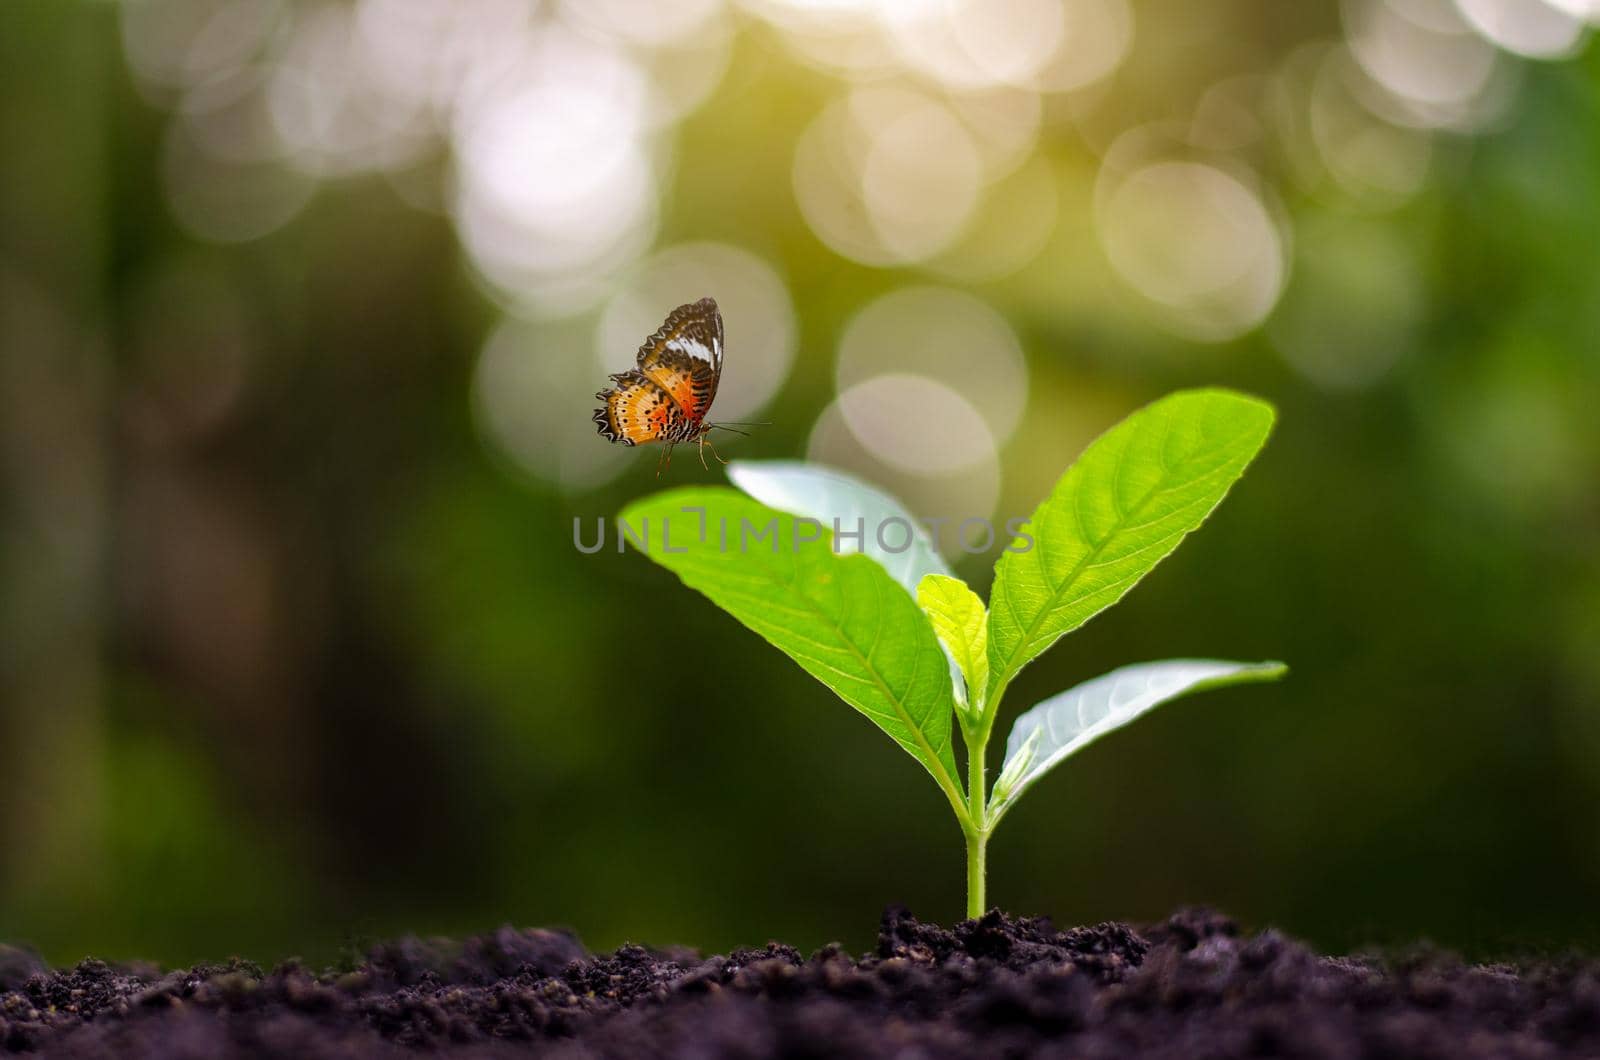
[[906, 643]]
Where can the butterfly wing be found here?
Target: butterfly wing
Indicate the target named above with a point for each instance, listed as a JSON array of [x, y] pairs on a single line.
[[637, 410], [684, 358]]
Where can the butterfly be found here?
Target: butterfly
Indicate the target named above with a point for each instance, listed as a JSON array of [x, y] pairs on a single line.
[[666, 398]]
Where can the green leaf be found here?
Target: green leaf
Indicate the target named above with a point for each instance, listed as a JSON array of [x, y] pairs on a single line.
[[843, 502], [1068, 722], [826, 495], [959, 618], [1117, 512], [842, 618]]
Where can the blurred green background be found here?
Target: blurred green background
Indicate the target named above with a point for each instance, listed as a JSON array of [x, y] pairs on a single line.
[[301, 311]]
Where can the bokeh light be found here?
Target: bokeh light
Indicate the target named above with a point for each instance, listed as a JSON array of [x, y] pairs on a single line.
[[1198, 242], [1354, 307], [1004, 126], [556, 183], [226, 201], [1539, 29], [1013, 225], [445, 57], [330, 104], [916, 424], [870, 189], [918, 439], [1432, 69], [527, 370], [971, 44], [175, 44], [1376, 163], [1585, 9], [842, 38], [964, 45], [646, 22], [1096, 36], [947, 336], [230, 117]]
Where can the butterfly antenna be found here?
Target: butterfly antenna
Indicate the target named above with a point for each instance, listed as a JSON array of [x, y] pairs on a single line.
[[733, 430], [745, 423]]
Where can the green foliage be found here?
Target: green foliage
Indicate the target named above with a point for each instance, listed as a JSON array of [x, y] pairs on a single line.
[[842, 618], [832, 498], [1116, 513], [870, 626], [824, 494], [959, 618]]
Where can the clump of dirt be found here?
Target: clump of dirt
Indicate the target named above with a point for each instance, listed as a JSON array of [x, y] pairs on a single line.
[[1191, 987]]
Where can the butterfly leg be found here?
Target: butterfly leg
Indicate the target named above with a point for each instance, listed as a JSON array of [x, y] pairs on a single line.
[[704, 441], [665, 461]]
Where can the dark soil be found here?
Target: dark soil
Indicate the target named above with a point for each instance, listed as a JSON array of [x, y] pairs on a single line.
[[994, 987]]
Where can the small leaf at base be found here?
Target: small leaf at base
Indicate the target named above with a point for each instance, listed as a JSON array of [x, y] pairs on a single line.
[[959, 618], [1069, 721]]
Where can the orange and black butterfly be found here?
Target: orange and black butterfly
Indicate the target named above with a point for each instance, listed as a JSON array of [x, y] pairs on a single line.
[[666, 398]]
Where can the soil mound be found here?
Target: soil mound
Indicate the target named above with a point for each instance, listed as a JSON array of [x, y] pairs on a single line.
[[1191, 987]]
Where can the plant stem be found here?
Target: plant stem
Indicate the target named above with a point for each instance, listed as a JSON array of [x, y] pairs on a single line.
[[978, 829], [977, 782], [977, 866]]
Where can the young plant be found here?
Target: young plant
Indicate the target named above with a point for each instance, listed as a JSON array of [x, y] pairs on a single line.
[[897, 636]]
